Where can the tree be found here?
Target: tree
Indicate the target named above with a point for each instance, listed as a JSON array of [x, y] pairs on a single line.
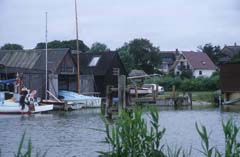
[[145, 55], [99, 47], [64, 44], [9, 46], [235, 58], [126, 58], [213, 52]]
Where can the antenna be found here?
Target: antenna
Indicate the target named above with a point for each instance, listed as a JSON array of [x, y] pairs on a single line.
[[46, 60], [78, 66]]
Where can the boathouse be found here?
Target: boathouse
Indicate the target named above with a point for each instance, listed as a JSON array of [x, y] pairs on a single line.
[[229, 81], [97, 70], [30, 65]]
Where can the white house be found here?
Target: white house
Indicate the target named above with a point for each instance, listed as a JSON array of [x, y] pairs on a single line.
[[197, 62]]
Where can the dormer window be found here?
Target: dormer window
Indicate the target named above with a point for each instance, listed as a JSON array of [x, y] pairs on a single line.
[[94, 61], [203, 62]]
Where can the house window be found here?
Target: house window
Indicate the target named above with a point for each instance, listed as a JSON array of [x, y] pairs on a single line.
[[200, 72], [94, 61], [116, 71], [66, 69]]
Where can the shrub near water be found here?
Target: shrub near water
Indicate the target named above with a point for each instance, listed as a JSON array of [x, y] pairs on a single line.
[[188, 84]]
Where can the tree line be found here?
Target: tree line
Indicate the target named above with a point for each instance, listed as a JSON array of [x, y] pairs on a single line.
[[136, 54]]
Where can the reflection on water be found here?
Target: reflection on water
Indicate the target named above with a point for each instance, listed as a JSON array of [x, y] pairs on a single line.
[[70, 133]]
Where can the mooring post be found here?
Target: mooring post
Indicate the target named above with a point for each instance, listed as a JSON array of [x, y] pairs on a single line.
[[190, 99], [121, 93], [107, 100]]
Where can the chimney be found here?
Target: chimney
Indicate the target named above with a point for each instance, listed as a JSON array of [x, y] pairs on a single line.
[[176, 50], [235, 44]]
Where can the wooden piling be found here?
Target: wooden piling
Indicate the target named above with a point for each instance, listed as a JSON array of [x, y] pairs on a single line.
[[121, 93]]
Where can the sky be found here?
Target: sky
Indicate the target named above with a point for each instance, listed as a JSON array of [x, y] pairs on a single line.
[[168, 24]]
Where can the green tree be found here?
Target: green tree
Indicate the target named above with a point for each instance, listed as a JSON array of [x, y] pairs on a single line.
[[213, 52], [64, 44], [126, 58], [99, 47], [145, 55], [236, 58], [9, 46]]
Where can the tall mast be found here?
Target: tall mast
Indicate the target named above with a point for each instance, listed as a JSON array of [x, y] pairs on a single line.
[[46, 60], [78, 66]]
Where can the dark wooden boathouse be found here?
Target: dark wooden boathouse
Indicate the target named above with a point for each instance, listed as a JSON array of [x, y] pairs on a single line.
[[30, 65], [230, 81], [98, 70]]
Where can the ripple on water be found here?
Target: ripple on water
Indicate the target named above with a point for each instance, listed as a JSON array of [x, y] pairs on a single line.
[[71, 133]]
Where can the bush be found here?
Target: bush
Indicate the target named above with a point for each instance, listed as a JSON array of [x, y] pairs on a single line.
[[188, 84]]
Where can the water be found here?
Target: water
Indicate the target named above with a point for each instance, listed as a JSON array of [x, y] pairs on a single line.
[[71, 134]]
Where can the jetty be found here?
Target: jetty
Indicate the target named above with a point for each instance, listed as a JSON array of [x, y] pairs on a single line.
[[119, 98]]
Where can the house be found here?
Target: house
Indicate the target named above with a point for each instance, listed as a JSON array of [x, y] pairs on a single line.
[[30, 64], [167, 59], [228, 52], [197, 62], [97, 70], [229, 81]]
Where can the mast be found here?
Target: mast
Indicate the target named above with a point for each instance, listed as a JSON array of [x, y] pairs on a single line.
[[46, 61], [78, 66]]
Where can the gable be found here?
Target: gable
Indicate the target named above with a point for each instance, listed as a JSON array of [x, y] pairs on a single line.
[[103, 61], [199, 60]]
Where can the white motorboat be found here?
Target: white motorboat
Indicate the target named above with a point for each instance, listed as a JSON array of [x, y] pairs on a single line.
[[11, 106], [79, 101]]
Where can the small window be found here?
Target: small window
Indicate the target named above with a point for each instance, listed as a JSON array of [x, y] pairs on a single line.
[[94, 61], [116, 71], [200, 72]]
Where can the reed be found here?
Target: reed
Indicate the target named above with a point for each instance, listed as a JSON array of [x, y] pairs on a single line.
[[131, 136], [28, 151], [232, 147]]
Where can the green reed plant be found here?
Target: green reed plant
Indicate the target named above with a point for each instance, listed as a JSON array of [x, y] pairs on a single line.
[[28, 151], [177, 152], [232, 147], [131, 136], [206, 149]]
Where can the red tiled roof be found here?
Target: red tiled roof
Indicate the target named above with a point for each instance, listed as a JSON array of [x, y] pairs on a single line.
[[199, 60]]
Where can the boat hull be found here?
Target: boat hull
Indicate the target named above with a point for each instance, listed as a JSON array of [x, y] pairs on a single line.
[[78, 101], [15, 108]]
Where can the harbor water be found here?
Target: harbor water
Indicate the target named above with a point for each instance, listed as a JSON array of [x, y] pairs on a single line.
[[74, 134]]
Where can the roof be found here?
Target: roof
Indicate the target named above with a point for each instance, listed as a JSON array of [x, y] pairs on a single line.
[[231, 50], [199, 60], [134, 73], [99, 66], [32, 59]]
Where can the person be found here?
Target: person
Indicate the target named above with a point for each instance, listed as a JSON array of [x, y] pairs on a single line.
[[29, 100], [22, 98]]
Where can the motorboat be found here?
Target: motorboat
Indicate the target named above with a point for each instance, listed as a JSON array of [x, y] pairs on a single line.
[[79, 101], [12, 106]]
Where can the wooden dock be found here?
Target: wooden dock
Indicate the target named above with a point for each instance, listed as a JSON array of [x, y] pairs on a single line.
[[120, 98]]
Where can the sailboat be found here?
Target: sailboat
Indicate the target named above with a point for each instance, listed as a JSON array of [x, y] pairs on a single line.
[[78, 100]]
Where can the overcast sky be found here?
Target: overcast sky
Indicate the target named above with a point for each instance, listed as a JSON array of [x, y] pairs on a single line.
[[169, 24]]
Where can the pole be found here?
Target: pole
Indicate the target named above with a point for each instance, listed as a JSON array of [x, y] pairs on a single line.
[[46, 61], [78, 66]]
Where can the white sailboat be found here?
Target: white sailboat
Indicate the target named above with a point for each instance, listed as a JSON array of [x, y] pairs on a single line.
[[77, 100]]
